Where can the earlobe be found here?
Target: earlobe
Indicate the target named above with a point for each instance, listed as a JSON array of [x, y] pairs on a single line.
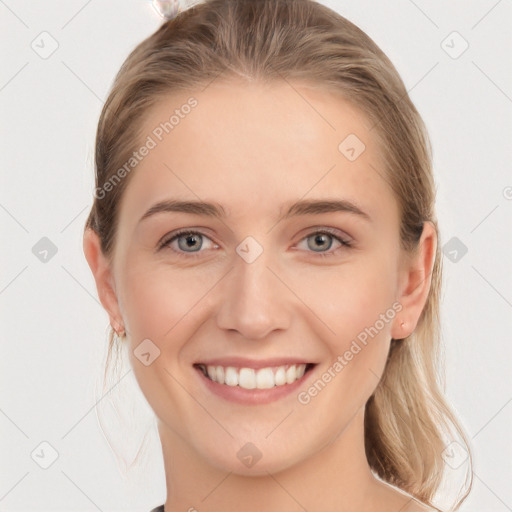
[[102, 273], [416, 278]]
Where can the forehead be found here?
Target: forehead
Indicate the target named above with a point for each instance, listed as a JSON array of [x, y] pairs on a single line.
[[253, 147]]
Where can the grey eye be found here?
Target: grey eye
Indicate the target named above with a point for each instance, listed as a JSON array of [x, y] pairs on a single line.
[[190, 241], [323, 240]]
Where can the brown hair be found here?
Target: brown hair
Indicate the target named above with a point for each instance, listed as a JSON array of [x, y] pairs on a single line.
[[407, 421]]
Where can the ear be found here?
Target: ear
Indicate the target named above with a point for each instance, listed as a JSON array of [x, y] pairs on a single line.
[[102, 272], [415, 281]]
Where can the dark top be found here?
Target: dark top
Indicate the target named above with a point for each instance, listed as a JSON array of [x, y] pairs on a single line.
[[158, 509]]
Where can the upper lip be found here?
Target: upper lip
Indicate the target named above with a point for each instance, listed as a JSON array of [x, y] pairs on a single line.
[[242, 362]]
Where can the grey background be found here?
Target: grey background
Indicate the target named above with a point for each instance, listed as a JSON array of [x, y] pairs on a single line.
[[53, 329]]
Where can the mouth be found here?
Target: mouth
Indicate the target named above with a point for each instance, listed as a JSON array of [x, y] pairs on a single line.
[[251, 378]]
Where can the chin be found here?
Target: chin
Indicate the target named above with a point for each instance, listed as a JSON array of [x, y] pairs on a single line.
[[256, 458]]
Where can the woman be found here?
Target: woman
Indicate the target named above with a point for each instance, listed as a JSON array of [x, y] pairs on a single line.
[[284, 375]]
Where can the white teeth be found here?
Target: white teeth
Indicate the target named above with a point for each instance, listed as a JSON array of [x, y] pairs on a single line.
[[291, 374], [280, 376], [248, 378], [212, 372], [265, 378], [220, 374], [231, 376]]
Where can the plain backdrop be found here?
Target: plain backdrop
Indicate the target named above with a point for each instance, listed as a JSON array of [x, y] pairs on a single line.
[[58, 60]]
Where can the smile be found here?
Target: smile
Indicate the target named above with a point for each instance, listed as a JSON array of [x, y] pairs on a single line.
[[252, 378]]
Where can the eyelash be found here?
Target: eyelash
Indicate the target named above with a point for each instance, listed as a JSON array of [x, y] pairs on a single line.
[[324, 231]]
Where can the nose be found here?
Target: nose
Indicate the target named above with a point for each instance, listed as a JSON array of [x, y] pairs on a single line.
[[254, 301]]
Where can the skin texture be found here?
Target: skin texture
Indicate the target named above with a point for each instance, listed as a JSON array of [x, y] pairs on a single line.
[[255, 149]]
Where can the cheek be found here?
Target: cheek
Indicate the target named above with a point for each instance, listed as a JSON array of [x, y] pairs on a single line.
[[355, 302], [163, 305], [350, 298], [159, 302]]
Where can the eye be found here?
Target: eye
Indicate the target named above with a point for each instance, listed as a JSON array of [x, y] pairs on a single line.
[[188, 242], [322, 240], [191, 242]]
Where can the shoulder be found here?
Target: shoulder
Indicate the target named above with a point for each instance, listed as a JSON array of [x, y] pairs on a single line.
[[397, 499], [416, 506]]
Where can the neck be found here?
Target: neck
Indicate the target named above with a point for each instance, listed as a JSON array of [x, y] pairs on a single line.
[[337, 477]]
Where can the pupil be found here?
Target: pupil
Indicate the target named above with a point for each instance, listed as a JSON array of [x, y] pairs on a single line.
[[190, 241], [320, 239]]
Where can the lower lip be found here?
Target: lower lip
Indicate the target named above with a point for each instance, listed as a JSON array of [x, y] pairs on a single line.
[[252, 396]]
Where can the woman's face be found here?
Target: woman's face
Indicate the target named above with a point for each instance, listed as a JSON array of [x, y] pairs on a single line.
[[258, 286]]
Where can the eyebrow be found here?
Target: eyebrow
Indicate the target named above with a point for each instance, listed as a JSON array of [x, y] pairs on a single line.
[[302, 207]]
